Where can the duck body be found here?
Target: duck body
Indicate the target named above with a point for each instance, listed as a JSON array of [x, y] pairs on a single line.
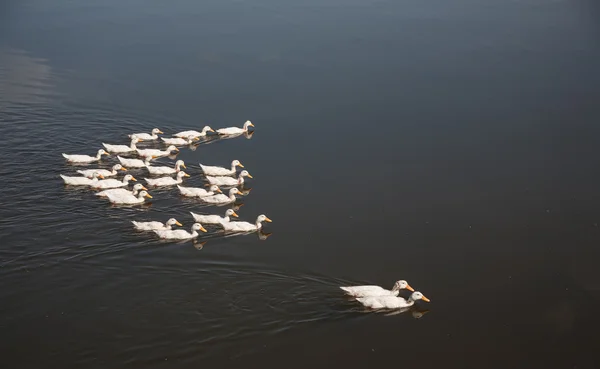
[[197, 192], [147, 136], [84, 159], [209, 170], [80, 181], [128, 199], [166, 170], [229, 181], [166, 181], [155, 153], [194, 134], [371, 290], [113, 183], [391, 302], [235, 130], [180, 234], [134, 163], [89, 173], [121, 191], [245, 226], [214, 219], [121, 149], [158, 226], [179, 141]]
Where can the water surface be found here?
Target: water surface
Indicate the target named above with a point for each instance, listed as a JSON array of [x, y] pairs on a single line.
[[452, 144]]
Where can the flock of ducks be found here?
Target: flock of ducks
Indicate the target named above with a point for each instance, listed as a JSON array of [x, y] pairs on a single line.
[[375, 297], [117, 191]]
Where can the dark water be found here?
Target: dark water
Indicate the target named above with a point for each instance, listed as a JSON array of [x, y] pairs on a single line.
[[450, 143]]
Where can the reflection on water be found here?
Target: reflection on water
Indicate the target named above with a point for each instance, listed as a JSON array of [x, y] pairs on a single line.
[[23, 78]]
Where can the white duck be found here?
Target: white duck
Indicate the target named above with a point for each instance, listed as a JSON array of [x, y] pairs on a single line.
[[166, 170], [180, 234], [84, 158], [235, 130], [135, 163], [166, 181], [220, 171], [128, 199], [105, 172], [391, 302], [81, 181], [221, 199], [229, 181], [185, 134], [368, 290], [151, 226], [122, 191], [180, 141], [121, 149], [114, 183], [147, 137], [214, 219], [155, 153], [199, 192], [245, 226]]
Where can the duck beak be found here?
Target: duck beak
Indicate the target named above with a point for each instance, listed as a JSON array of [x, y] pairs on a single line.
[[100, 176], [219, 190], [153, 157], [176, 149], [408, 287], [148, 196], [425, 299], [123, 169], [161, 132], [186, 175], [235, 214], [105, 153], [144, 188], [251, 125], [203, 229], [268, 220], [249, 176], [133, 179], [212, 130], [183, 165], [240, 165], [179, 224]]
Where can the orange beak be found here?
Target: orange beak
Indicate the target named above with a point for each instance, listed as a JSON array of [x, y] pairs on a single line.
[[133, 179], [408, 287], [235, 215], [123, 169], [425, 299]]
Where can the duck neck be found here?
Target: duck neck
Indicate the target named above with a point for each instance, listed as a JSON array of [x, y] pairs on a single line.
[[240, 180], [258, 224], [132, 145]]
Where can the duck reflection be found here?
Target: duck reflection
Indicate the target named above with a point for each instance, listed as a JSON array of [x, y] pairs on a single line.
[[199, 244]]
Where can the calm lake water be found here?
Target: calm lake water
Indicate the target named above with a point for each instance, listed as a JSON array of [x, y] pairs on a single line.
[[454, 144]]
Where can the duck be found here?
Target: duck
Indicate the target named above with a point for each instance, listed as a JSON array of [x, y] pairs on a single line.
[[122, 149], [196, 134], [114, 183], [151, 226], [128, 199], [214, 219], [166, 170], [180, 234], [235, 130], [135, 163], [221, 199], [105, 172], [245, 226], [84, 158], [147, 137], [81, 181], [179, 141], [198, 192], [166, 181], [122, 191], [155, 153], [368, 290], [391, 302], [228, 181], [220, 171]]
